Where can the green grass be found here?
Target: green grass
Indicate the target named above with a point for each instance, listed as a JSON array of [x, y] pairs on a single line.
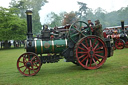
[[113, 72]]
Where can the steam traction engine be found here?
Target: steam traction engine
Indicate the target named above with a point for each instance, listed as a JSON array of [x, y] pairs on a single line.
[[119, 34], [78, 46]]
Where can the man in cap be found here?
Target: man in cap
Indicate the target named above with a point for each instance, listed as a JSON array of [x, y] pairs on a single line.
[[98, 29]]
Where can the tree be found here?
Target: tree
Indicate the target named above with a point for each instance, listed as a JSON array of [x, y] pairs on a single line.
[[82, 13], [35, 6], [91, 15], [55, 19], [11, 26], [70, 18], [123, 14], [100, 14]]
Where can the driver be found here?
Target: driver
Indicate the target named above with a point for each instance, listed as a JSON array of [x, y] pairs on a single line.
[[98, 29]]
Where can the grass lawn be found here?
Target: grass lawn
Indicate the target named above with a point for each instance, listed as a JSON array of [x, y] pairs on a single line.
[[113, 72]]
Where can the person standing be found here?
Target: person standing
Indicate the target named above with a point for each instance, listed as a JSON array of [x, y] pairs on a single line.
[[91, 25], [98, 29]]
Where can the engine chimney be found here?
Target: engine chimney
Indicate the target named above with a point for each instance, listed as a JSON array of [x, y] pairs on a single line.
[[29, 25], [122, 25]]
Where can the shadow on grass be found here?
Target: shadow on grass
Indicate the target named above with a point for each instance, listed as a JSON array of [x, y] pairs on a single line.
[[70, 69], [66, 70]]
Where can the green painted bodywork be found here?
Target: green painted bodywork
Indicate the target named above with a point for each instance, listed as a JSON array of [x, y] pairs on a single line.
[[52, 46]]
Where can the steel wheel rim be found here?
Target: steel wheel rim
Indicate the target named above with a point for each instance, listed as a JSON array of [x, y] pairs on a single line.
[[119, 44], [90, 57], [27, 65]]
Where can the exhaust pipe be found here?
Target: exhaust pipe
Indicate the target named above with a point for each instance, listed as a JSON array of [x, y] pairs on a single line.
[[122, 26], [29, 25]]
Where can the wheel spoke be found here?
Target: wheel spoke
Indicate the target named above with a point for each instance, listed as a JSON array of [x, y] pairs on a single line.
[[29, 71], [36, 66], [82, 34], [90, 62], [99, 52], [86, 63], [74, 27], [99, 55], [74, 35], [97, 59], [77, 30], [36, 61], [96, 45], [28, 57], [94, 42], [83, 31], [84, 46], [21, 62], [33, 58], [84, 58], [25, 69], [33, 70], [79, 36], [86, 43], [90, 43], [94, 61], [24, 59], [21, 66], [83, 52], [80, 25], [99, 48]]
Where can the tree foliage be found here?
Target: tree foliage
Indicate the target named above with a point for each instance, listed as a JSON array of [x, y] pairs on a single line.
[[11, 26], [34, 5], [108, 18], [82, 12], [70, 18], [54, 19]]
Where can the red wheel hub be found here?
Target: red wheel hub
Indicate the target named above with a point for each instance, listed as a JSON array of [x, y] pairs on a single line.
[[91, 52], [28, 64]]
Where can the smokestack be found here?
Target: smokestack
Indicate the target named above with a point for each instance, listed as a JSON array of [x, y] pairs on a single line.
[[122, 24], [29, 25]]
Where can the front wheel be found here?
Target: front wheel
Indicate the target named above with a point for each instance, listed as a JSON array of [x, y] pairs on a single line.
[[28, 64]]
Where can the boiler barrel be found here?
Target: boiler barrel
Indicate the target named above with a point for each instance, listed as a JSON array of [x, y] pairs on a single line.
[[52, 46]]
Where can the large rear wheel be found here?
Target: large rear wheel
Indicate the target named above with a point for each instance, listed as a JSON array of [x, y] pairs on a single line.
[[91, 52]]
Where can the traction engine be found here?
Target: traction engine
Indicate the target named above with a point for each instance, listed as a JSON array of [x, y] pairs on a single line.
[[77, 45], [118, 34]]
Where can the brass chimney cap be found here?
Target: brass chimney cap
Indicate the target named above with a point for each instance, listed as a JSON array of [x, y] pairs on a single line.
[[122, 20], [28, 12]]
